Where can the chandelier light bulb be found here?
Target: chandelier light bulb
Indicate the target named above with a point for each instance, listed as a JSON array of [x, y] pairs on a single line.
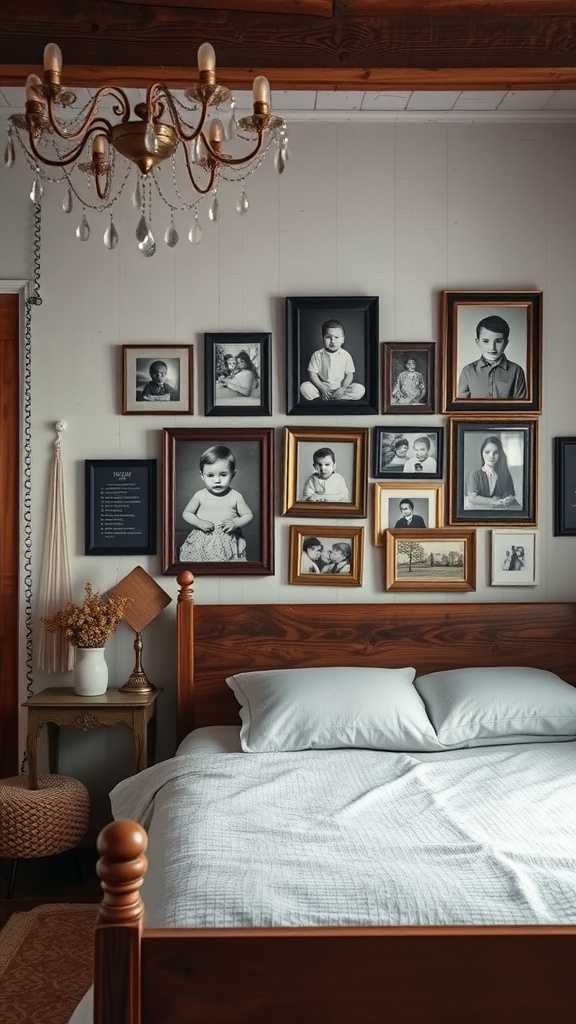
[[206, 57], [34, 89], [216, 131], [53, 58], [261, 90], [99, 145]]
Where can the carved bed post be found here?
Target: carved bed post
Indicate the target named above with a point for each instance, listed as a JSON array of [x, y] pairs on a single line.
[[121, 870], [185, 653]]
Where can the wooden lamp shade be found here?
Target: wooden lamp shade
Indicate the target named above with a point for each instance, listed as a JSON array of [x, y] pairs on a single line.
[[146, 599]]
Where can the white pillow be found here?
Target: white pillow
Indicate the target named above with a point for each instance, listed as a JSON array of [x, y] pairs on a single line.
[[474, 707], [320, 708]]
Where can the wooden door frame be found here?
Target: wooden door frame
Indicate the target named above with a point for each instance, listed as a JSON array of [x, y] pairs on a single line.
[[12, 661]]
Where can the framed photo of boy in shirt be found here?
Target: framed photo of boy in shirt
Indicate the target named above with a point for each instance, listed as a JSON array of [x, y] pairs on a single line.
[[492, 351], [325, 472]]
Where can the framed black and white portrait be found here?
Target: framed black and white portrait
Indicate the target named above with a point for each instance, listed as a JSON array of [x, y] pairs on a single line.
[[157, 379], [565, 486], [407, 506], [492, 351], [332, 350], [218, 501], [492, 476], [237, 374], [410, 453], [323, 556], [513, 558], [409, 377], [325, 471]]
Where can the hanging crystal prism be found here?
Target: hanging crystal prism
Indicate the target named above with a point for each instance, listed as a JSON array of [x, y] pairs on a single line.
[[141, 229], [9, 152], [67, 201], [137, 196], [280, 158], [198, 151], [242, 203], [150, 137], [37, 190], [111, 237], [171, 236], [195, 233], [83, 229], [214, 209], [148, 244], [231, 123]]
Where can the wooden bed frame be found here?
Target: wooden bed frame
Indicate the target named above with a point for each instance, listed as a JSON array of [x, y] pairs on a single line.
[[330, 975]]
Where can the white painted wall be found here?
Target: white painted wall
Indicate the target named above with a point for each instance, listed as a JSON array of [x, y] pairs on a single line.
[[399, 211]]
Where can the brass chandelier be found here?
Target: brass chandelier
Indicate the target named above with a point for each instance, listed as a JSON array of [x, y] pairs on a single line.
[[57, 141]]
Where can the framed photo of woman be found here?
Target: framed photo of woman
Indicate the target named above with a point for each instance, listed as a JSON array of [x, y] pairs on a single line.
[[409, 377], [237, 374], [492, 351], [492, 476]]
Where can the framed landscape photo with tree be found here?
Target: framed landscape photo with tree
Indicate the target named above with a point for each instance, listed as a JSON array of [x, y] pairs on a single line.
[[431, 560]]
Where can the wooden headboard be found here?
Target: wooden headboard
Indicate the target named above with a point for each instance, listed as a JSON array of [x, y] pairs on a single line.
[[215, 641]]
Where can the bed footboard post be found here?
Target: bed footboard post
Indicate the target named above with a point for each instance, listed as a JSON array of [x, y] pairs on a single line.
[[121, 870], [185, 653]]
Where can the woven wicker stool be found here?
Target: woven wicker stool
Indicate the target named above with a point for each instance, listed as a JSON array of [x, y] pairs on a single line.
[[40, 822]]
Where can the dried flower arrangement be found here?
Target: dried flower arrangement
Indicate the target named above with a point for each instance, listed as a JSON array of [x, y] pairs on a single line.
[[92, 623]]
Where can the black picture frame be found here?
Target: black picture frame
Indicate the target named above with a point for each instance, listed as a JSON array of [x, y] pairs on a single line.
[[245, 340], [386, 437], [112, 513], [304, 316], [565, 487]]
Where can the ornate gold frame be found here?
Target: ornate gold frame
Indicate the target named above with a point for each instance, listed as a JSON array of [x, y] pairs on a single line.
[[355, 509], [468, 536], [408, 485], [354, 533]]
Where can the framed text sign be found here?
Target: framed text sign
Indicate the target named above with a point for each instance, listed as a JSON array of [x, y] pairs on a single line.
[[120, 507]]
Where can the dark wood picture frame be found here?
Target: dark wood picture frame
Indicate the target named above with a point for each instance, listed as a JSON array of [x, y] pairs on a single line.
[[244, 338], [94, 519], [264, 566], [527, 514], [325, 436], [353, 533], [328, 307], [498, 301], [392, 348], [564, 526], [159, 408], [379, 472]]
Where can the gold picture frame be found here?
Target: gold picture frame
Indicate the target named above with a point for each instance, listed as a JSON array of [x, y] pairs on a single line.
[[432, 560], [321, 569], [383, 492], [305, 493]]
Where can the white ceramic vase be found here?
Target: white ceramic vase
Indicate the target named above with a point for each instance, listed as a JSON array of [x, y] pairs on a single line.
[[90, 672]]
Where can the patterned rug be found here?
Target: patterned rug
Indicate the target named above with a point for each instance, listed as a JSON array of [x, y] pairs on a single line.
[[46, 962]]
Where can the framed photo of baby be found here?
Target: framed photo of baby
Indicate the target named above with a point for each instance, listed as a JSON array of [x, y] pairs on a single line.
[[217, 501], [237, 374], [326, 556], [409, 377], [492, 479], [492, 351], [332, 351], [325, 472], [157, 379]]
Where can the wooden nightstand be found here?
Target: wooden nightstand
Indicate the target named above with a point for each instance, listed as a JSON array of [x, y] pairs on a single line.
[[60, 706]]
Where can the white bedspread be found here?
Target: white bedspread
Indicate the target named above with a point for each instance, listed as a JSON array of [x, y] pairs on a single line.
[[350, 837]]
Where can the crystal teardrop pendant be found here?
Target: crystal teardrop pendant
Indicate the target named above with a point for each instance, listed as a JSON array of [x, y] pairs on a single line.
[[9, 152], [171, 236], [214, 209], [141, 229], [195, 233], [280, 160], [150, 138], [231, 123], [242, 203], [148, 244], [111, 236], [137, 196], [83, 229], [37, 190], [198, 150], [67, 202]]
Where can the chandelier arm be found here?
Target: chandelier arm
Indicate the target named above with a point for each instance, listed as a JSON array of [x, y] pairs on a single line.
[[161, 88], [231, 161], [121, 109], [202, 191], [65, 160]]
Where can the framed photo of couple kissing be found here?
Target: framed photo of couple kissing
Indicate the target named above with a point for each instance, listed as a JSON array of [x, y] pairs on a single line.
[[492, 351], [326, 556]]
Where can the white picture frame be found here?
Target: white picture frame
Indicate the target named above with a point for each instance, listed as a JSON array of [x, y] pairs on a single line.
[[514, 558]]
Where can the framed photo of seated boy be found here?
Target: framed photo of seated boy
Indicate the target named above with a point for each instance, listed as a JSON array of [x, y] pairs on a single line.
[[332, 355], [326, 556], [407, 506], [492, 351], [408, 453], [492, 471], [157, 380], [325, 472], [237, 374], [433, 560], [218, 501], [409, 377]]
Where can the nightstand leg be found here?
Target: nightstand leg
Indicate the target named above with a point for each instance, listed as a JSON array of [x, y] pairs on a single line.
[[141, 741], [31, 747], [53, 737]]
